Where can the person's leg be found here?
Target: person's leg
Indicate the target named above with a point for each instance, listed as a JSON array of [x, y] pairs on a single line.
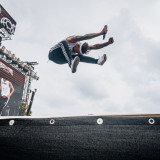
[[91, 60], [6, 108], [67, 52], [57, 56], [61, 54], [3, 103], [86, 59], [1, 106]]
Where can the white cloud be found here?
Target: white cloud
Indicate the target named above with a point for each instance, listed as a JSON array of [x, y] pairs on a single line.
[[127, 83]]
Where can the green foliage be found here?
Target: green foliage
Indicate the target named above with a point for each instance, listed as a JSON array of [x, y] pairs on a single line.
[[23, 108]]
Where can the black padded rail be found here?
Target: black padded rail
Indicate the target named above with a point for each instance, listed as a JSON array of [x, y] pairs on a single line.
[[86, 138]]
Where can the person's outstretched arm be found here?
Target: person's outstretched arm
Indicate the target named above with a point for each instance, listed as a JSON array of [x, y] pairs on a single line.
[[74, 39], [99, 46]]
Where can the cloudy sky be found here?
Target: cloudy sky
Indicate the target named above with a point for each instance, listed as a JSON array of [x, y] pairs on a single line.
[[128, 83]]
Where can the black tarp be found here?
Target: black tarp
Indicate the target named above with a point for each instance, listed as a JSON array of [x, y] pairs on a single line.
[[117, 138]]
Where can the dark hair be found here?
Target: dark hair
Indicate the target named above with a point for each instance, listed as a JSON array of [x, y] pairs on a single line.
[[84, 47]]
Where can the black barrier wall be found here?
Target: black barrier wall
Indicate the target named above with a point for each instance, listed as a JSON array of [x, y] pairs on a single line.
[[80, 138]]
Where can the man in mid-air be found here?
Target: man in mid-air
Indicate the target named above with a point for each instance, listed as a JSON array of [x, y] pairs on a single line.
[[72, 51]]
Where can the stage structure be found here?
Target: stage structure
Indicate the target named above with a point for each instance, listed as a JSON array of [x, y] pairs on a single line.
[[18, 73]]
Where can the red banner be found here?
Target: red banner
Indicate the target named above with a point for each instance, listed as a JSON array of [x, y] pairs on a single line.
[[11, 74]]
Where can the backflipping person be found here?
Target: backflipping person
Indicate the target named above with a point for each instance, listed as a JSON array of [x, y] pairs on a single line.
[[6, 93], [72, 51]]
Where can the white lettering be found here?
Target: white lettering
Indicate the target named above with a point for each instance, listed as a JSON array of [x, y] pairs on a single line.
[[6, 69]]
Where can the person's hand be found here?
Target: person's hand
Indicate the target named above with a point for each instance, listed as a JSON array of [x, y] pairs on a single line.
[[111, 40], [9, 96], [104, 30]]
